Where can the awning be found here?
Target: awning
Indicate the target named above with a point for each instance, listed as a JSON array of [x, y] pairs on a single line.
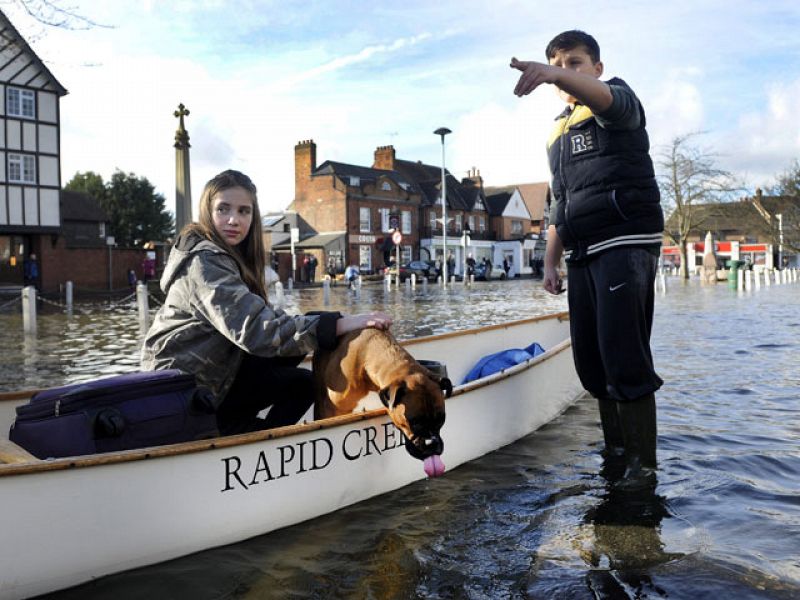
[[319, 241]]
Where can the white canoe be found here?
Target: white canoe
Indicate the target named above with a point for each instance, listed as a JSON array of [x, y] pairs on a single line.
[[66, 521]]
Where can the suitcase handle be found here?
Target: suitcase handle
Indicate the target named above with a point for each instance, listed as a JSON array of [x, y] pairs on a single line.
[[109, 423]]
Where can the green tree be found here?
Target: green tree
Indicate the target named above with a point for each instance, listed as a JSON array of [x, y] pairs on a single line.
[[89, 183], [690, 181], [137, 214]]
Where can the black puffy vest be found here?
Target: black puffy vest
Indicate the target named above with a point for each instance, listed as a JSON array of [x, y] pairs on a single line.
[[603, 184]]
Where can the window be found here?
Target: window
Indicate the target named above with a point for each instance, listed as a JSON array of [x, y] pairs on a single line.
[[458, 222], [21, 168], [384, 214], [101, 231], [471, 222], [405, 217], [364, 221], [386, 187], [365, 258], [516, 227], [482, 224], [20, 103], [432, 220], [355, 181], [405, 254]]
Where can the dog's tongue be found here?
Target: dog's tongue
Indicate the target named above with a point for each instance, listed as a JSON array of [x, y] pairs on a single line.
[[433, 466]]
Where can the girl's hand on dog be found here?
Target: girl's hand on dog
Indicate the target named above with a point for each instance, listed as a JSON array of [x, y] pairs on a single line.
[[376, 320]]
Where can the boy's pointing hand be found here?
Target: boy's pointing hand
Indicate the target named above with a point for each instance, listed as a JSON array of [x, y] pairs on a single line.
[[519, 64], [533, 75]]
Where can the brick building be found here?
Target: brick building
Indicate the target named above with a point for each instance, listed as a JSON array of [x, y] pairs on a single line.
[[79, 252], [355, 209]]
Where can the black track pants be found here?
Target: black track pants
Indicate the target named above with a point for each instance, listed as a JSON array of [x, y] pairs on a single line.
[[611, 315], [262, 382]]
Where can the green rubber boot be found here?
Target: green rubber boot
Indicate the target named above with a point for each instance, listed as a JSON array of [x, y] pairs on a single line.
[[638, 422]]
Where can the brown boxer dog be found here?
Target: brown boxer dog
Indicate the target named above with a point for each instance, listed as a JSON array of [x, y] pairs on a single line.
[[372, 360]]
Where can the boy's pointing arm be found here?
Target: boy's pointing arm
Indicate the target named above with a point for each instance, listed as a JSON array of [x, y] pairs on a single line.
[[587, 89]]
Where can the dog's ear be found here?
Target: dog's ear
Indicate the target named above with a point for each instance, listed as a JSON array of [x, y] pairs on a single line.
[[386, 393], [447, 386]]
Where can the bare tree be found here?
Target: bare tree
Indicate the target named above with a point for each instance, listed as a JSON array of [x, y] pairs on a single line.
[[788, 182], [690, 181], [30, 21], [786, 202], [53, 13]]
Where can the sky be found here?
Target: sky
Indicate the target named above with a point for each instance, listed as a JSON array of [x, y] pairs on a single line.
[[259, 76]]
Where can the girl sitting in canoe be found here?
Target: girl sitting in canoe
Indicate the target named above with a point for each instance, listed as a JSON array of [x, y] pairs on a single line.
[[217, 323]]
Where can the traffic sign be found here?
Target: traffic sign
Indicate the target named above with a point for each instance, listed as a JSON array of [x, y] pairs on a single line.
[[397, 237]]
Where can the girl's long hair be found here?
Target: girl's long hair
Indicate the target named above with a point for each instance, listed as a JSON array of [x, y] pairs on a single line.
[[249, 254]]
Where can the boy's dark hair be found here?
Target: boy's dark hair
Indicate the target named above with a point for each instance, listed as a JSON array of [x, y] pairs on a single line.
[[569, 40]]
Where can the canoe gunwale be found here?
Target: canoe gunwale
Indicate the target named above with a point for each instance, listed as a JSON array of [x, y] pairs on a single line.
[[40, 465]]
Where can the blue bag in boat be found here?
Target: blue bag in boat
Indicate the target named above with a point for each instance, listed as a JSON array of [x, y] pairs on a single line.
[[135, 410], [494, 363]]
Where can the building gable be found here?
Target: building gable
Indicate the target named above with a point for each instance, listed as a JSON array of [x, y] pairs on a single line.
[[516, 209], [19, 64], [535, 197]]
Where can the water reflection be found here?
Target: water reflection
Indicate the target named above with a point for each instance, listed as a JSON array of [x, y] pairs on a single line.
[[626, 528]]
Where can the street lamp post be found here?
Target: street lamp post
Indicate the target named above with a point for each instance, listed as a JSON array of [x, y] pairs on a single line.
[[110, 242], [465, 241], [443, 131]]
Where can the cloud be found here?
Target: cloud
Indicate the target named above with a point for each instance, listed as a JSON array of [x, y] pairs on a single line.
[[677, 107], [507, 143], [341, 62], [766, 141]]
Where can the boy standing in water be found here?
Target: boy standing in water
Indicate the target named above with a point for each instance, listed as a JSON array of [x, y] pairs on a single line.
[[607, 222]]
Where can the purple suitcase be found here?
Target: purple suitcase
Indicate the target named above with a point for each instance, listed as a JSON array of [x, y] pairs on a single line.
[[134, 410]]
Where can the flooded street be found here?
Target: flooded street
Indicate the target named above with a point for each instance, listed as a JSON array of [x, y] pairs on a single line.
[[104, 339], [537, 519]]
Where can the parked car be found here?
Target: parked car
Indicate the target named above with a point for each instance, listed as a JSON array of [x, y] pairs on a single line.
[[420, 268], [480, 272]]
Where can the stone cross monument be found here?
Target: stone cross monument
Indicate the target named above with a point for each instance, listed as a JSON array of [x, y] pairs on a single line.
[[183, 187], [709, 260]]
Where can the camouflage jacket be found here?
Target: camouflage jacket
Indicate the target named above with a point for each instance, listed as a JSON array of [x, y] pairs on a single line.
[[210, 318]]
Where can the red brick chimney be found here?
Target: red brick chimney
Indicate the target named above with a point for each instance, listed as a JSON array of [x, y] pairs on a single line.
[[384, 158], [305, 161], [473, 178]]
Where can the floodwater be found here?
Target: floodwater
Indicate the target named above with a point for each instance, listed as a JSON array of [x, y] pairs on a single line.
[[103, 339], [539, 518]]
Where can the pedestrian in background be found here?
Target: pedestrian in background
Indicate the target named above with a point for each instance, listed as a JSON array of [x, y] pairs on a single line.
[[30, 270]]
